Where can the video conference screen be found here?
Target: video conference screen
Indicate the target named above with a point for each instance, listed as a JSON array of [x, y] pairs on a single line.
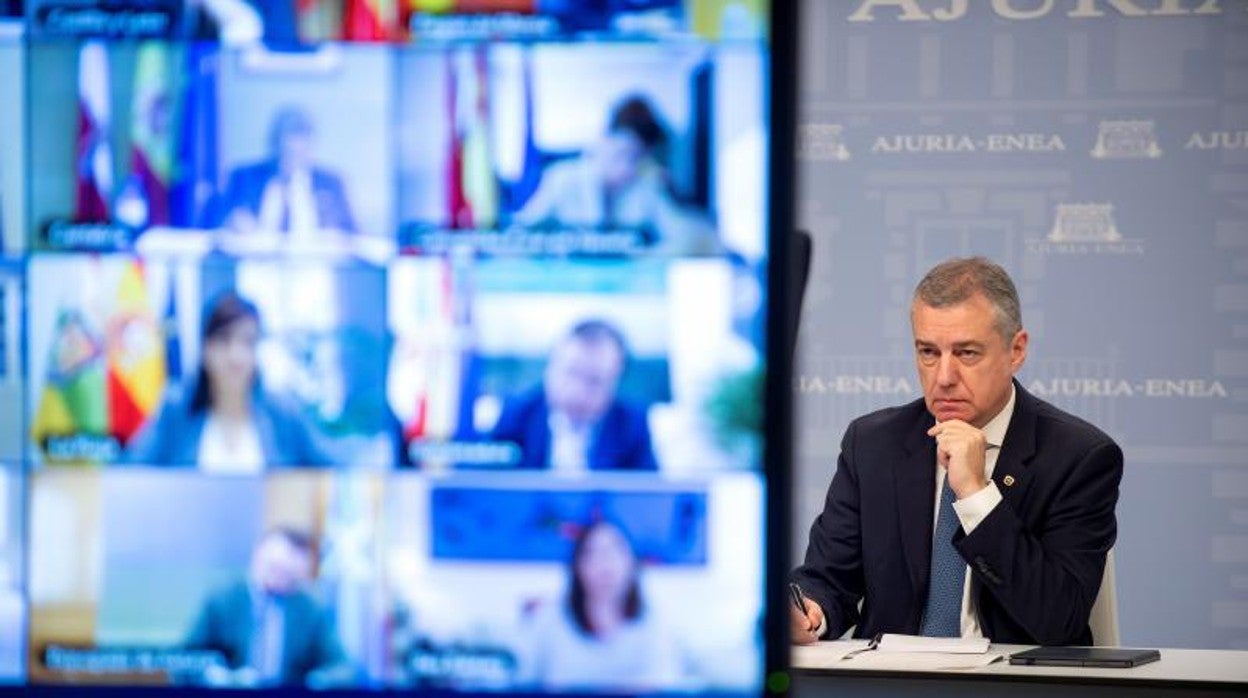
[[384, 345]]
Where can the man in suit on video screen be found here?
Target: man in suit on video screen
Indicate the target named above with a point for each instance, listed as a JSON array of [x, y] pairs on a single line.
[[575, 420], [287, 192], [268, 628]]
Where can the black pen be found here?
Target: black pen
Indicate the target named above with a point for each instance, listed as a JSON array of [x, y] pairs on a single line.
[[873, 643], [799, 599]]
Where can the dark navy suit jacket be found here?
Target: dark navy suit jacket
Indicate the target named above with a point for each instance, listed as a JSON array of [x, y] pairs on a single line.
[[1036, 560], [309, 639], [621, 440], [245, 189]]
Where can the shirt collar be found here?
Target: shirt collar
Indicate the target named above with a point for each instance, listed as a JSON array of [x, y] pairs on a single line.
[[994, 430]]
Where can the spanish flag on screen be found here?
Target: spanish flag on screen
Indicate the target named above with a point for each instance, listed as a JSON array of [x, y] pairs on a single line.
[[136, 356], [371, 20], [104, 379]]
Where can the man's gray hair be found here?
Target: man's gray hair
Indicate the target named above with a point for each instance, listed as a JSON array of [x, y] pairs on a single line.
[[954, 281]]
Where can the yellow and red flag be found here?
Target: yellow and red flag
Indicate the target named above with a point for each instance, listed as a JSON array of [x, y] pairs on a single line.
[[371, 20], [136, 356]]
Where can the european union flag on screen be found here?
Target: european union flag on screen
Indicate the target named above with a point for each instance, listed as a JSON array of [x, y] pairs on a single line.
[[519, 191], [523, 525], [196, 179], [173, 344]]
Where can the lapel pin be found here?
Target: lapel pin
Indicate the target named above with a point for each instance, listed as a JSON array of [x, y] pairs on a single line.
[[1008, 480]]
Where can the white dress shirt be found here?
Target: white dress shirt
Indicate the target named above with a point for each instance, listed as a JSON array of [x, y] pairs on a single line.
[[974, 509], [232, 450], [289, 205], [569, 444], [268, 628], [641, 655]]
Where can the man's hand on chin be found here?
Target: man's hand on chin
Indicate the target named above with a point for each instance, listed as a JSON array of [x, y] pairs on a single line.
[[960, 447]]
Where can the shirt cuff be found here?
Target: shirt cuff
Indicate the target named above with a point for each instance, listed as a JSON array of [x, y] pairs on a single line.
[[823, 627], [974, 509]]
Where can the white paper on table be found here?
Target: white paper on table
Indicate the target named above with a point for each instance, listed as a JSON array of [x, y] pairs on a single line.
[[921, 661], [823, 655], [892, 642]]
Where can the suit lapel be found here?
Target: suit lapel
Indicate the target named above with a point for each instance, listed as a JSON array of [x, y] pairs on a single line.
[[1011, 472], [241, 622], [538, 438], [915, 477], [295, 636]]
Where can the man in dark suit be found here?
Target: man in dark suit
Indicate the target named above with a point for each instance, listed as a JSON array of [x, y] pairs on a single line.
[[286, 192], [575, 420], [979, 510], [268, 628]]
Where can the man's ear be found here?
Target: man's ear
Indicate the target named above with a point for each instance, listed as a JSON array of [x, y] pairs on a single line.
[[1018, 350]]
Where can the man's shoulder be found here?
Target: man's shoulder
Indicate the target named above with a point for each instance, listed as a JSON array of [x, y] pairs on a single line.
[[1052, 421], [531, 398], [626, 410], [324, 178], [229, 596], [255, 169], [302, 602], [523, 406], [891, 419]]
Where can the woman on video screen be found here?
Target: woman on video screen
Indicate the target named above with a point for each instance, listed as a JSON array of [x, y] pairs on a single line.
[[621, 182], [602, 635], [228, 423]]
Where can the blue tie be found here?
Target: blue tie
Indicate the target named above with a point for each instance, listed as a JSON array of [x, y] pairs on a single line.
[[943, 615]]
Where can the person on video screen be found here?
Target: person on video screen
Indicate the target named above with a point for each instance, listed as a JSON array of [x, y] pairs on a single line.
[[620, 182], [601, 634], [228, 423], [575, 420], [286, 193], [268, 628]]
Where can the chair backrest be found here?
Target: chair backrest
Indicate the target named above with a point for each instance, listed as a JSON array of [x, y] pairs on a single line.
[[802, 244], [1104, 619]]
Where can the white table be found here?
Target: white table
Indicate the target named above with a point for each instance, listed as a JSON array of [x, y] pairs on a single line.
[[1180, 672]]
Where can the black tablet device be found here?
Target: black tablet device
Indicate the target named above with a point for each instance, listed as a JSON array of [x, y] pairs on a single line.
[[1117, 658]]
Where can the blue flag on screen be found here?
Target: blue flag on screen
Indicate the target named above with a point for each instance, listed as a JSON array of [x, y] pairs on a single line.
[[173, 345], [531, 169], [196, 178]]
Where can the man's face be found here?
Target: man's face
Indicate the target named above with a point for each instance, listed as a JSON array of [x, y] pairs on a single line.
[[296, 151], [964, 363], [581, 378], [279, 567]]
